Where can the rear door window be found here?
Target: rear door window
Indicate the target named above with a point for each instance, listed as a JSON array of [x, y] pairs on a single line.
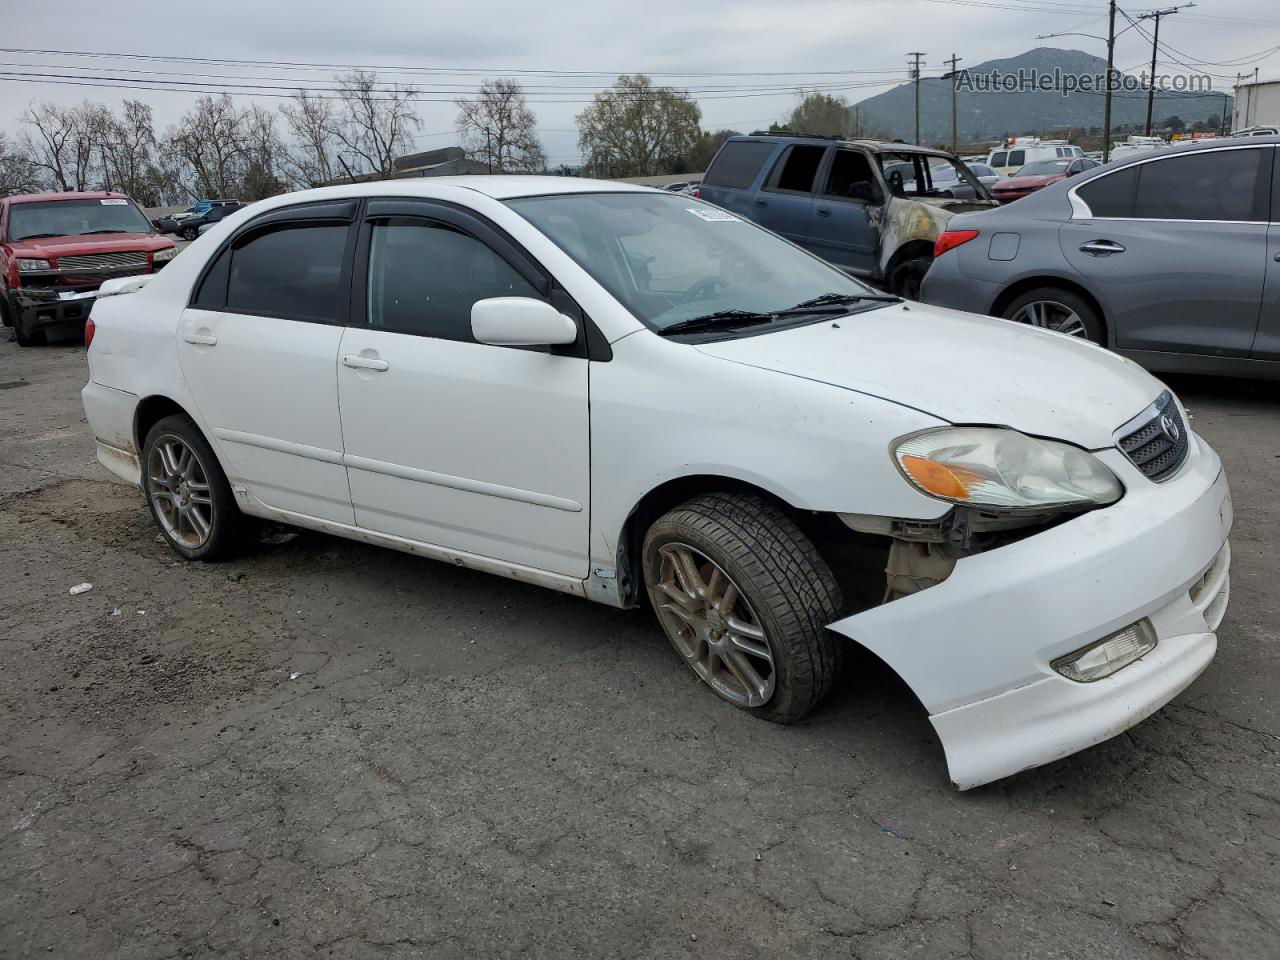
[[292, 271], [1111, 196], [1218, 185], [1017, 158], [796, 170], [737, 163]]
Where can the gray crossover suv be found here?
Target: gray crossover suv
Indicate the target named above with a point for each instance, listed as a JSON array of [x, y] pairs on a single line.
[[1171, 258]]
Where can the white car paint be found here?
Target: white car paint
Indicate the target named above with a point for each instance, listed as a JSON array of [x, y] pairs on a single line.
[[352, 431]]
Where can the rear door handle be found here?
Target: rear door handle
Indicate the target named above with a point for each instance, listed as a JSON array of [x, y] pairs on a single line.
[[824, 211], [1101, 248], [365, 363], [202, 339], [761, 202]]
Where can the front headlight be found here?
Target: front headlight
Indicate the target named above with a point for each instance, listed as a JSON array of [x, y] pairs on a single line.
[[999, 469], [168, 253], [28, 266]]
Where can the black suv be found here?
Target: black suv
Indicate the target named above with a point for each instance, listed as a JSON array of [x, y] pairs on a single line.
[[871, 207], [188, 228]]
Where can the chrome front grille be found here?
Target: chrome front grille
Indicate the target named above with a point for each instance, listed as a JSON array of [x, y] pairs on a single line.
[[104, 261], [1159, 445]]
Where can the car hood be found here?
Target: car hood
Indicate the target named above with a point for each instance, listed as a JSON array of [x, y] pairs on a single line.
[[962, 368], [47, 248], [1025, 183]]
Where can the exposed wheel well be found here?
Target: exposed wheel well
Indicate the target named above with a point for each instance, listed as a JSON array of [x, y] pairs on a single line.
[[908, 251], [1015, 290], [857, 560], [150, 411]]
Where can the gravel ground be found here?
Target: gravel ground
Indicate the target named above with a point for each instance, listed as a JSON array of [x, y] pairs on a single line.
[[326, 749]]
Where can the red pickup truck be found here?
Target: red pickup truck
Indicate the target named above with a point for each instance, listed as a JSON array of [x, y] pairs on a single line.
[[56, 249]]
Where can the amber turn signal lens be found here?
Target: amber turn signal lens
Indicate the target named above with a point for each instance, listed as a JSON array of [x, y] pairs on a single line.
[[949, 482]]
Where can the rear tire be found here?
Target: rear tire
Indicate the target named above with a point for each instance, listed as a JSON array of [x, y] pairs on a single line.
[[907, 277], [188, 233], [745, 599], [1053, 308], [188, 494]]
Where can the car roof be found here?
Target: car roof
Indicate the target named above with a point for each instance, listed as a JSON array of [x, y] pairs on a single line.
[[42, 197], [882, 146]]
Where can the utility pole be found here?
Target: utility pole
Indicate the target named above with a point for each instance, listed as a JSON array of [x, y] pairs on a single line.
[[1155, 43], [1111, 60], [955, 80], [857, 121], [915, 75]]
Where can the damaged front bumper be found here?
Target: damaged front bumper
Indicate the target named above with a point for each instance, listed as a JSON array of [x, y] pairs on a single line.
[[977, 648], [52, 309]]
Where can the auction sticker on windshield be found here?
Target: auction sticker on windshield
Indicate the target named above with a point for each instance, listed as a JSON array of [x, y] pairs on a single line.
[[713, 216], [114, 203]]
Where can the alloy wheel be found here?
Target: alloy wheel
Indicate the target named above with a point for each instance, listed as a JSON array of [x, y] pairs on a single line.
[[1052, 315], [179, 490], [711, 624]]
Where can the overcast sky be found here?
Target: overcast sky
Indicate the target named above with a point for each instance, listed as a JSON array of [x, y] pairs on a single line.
[[798, 42]]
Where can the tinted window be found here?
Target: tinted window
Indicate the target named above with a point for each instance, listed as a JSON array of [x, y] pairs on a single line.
[[850, 178], [1111, 195], [290, 271], [797, 168], [997, 159], [1220, 185], [424, 277], [1017, 158], [737, 163]]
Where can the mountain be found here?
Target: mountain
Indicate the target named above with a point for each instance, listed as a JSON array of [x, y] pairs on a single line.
[[991, 115]]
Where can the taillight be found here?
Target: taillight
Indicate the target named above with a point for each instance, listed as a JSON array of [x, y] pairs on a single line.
[[89, 328], [697, 192], [950, 239]]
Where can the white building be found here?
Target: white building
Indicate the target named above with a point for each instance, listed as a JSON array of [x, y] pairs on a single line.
[[1257, 104]]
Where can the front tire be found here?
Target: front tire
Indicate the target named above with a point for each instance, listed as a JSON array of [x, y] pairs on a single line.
[[22, 336], [745, 599], [188, 233], [187, 492]]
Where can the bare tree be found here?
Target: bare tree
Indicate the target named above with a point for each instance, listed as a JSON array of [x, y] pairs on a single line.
[[62, 142], [127, 148], [210, 147], [263, 174], [18, 172], [499, 130], [636, 129], [375, 125], [312, 160]]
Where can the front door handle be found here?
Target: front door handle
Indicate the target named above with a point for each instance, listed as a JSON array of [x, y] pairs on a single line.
[[201, 339], [365, 363], [824, 211], [761, 202], [1101, 248]]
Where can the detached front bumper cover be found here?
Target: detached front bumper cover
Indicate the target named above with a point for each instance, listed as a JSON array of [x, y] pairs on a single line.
[[977, 648]]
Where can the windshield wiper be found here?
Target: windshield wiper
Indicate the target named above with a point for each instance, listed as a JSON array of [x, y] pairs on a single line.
[[37, 236], [828, 300], [721, 318], [89, 233]]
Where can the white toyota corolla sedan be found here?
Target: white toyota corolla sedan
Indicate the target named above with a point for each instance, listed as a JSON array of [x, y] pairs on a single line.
[[636, 397]]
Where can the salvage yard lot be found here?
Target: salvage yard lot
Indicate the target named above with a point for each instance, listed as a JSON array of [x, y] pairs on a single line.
[[327, 749]]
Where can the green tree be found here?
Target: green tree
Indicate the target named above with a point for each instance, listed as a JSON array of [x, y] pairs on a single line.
[[636, 129], [704, 148], [820, 114]]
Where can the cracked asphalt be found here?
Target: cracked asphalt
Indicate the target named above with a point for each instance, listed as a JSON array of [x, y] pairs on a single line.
[[328, 750]]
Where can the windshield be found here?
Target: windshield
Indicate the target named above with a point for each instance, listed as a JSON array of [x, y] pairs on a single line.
[[669, 259], [74, 218], [1044, 168]]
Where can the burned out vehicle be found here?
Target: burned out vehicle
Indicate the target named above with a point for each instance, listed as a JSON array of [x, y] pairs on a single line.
[[871, 207]]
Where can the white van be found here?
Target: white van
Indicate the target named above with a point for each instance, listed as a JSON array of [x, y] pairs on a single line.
[[1007, 161]]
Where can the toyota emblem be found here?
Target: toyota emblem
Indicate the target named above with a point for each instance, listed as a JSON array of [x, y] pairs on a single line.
[[1169, 427]]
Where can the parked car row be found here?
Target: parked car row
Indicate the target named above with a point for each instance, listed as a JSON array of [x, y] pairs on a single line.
[[189, 223]]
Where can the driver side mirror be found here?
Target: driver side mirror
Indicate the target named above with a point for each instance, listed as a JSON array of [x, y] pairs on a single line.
[[520, 322]]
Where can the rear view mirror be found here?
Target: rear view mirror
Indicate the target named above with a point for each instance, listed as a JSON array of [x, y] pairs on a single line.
[[520, 322]]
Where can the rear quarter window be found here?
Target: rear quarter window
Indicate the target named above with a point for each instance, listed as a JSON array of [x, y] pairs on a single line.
[[737, 164]]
